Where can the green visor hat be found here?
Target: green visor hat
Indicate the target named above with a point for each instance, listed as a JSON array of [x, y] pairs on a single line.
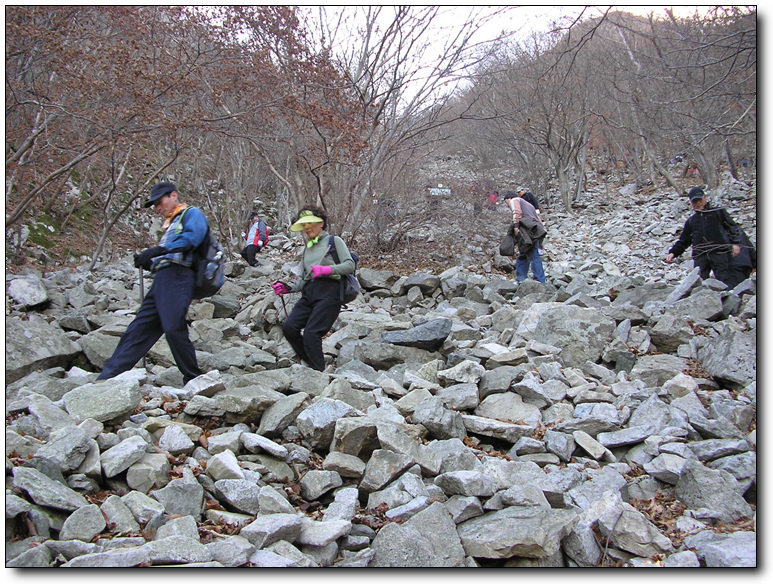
[[303, 218]]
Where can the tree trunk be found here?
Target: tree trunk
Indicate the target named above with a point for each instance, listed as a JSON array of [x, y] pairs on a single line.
[[707, 170], [730, 163], [106, 231], [581, 177], [666, 175], [563, 182]]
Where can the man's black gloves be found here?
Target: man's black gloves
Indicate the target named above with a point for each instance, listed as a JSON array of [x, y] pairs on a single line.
[[142, 259]]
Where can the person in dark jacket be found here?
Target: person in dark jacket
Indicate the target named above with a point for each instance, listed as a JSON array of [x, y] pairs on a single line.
[[530, 197], [256, 239], [716, 242], [528, 232], [164, 308], [320, 285]]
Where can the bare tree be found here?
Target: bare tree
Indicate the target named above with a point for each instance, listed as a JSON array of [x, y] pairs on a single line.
[[549, 101], [640, 90], [402, 66], [689, 85], [239, 103], [108, 93]]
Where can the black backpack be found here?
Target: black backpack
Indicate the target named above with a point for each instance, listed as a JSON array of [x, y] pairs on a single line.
[[208, 266], [350, 286], [746, 243]]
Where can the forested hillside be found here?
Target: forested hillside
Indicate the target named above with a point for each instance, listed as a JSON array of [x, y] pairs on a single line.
[[249, 107]]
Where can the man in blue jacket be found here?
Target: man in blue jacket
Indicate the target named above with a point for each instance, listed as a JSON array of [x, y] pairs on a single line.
[[715, 239], [164, 309]]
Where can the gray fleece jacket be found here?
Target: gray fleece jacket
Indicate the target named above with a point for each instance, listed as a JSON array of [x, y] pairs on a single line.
[[317, 255]]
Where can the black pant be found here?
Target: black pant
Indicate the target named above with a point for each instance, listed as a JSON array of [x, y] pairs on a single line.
[[315, 313], [725, 270], [248, 253], [163, 311]]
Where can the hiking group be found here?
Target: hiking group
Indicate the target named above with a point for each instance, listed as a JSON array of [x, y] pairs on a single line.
[[175, 264], [188, 263], [719, 245]]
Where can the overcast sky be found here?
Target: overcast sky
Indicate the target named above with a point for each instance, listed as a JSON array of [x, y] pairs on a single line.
[[540, 17]]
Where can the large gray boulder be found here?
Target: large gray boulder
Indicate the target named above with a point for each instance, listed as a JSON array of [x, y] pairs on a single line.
[[66, 447], [509, 407], [35, 345], [701, 304], [371, 280], [429, 539], [529, 532], [382, 468], [728, 550], [28, 291], [582, 334], [441, 422], [715, 492], [98, 347], [267, 529], [83, 524], [427, 283], [655, 370], [386, 355], [181, 496], [630, 530], [241, 494], [123, 455], [46, 491], [317, 423], [731, 358], [104, 400], [429, 336]]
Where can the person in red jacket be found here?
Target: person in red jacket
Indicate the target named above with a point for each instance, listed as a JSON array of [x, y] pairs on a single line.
[[256, 239]]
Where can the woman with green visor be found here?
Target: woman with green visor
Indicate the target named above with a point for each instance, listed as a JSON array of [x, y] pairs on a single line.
[[319, 284]]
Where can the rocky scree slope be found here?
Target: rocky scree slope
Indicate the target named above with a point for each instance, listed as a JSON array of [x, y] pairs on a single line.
[[605, 418]]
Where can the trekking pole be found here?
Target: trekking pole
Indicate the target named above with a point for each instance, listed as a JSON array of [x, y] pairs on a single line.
[[142, 299], [284, 306]]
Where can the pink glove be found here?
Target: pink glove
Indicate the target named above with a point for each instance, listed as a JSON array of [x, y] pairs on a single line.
[[280, 288], [317, 271]]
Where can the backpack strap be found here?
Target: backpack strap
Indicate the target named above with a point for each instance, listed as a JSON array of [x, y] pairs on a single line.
[[201, 249], [331, 249], [179, 227]]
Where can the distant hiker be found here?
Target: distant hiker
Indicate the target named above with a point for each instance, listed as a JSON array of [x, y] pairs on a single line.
[[528, 231], [492, 201], [716, 242], [165, 307], [256, 239], [320, 286]]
